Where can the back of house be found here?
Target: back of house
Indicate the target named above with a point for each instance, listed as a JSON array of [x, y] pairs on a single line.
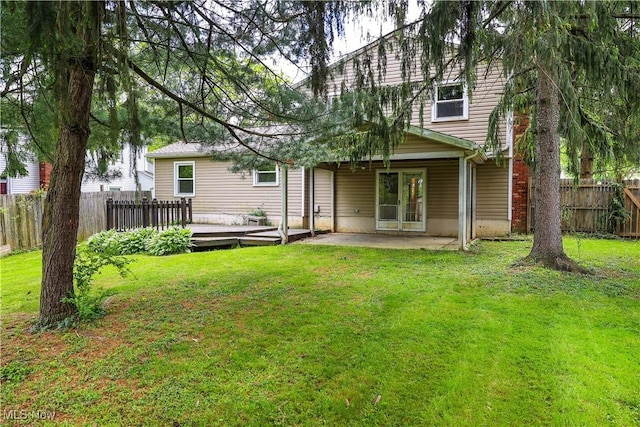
[[440, 180]]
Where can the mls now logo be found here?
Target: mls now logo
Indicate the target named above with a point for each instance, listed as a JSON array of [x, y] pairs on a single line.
[[23, 414]]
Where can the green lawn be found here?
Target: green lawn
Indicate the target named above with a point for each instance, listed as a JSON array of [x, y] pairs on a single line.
[[311, 335]]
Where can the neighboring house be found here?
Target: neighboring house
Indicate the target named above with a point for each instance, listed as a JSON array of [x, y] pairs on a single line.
[[127, 181], [439, 183], [38, 176], [20, 185]]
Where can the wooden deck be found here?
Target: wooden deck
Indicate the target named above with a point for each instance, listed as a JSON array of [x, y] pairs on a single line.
[[206, 237]]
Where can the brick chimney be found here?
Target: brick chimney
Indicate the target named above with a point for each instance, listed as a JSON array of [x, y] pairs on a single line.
[[520, 181], [45, 175]]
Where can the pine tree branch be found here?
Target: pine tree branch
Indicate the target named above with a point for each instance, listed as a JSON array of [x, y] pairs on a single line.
[[232, 129], [24, 66], [502, 6]]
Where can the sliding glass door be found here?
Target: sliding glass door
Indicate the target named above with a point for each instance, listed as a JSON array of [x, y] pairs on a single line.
[[400, 200]]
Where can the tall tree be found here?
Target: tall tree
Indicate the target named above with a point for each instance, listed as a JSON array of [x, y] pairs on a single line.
[[552, 53], [208, 58]]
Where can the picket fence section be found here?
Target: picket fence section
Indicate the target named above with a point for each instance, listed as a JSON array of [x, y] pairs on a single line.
[[21, 216], [123, 215]]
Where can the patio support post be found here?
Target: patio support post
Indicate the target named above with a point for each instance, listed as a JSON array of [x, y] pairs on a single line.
[[283, 229], [462, 203], [312, 202], [333, 201]]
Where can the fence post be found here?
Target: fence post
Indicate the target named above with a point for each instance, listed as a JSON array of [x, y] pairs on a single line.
[[109, 213], [190, 211], [154, 213], [145, 212], [183, 212]]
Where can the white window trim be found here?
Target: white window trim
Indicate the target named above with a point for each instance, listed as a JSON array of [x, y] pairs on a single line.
[[401, 171], [256, 173], [465, 102], [176, 192]]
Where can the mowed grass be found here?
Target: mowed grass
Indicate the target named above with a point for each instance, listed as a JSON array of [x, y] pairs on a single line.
[[310, 335]]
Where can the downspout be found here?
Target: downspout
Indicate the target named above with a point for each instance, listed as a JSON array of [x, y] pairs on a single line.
[[510, 141], [303, 191]]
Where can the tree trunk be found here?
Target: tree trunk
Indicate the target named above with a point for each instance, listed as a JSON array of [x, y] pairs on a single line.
[[586, 163], [547, 235], [62, 205]]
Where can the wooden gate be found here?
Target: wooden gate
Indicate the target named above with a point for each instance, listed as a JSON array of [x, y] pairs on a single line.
[[631, 227], [586, 207]]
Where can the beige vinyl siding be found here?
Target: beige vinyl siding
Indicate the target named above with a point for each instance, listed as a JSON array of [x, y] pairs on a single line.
[[355, 192], [485, 96], [442, 189], [415, 144], [218, 191], [492, 191], [322, 192]]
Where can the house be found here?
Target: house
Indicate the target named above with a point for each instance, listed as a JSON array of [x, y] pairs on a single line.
[[38, 175], [440, 181], [222, 197], [23, 184], [127, 180]]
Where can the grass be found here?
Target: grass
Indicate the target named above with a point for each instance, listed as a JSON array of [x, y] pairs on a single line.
[[310, 335]]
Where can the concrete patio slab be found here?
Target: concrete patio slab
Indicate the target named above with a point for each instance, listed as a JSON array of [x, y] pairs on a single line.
[[388, 241]]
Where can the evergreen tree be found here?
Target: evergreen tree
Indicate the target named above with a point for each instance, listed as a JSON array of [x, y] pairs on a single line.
[[84, 64], [553, 54]]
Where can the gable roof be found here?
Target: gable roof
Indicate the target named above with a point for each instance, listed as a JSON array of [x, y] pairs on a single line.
[[183, 149], [443, 138], [180, 149]]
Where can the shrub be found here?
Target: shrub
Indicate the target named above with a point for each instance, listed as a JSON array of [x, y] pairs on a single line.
[[105, 241], [87, 264], [137, 241], [172, 241]]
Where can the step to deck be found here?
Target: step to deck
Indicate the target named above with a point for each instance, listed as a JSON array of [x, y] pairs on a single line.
[[229, 237], [213, 242], [259, 241]]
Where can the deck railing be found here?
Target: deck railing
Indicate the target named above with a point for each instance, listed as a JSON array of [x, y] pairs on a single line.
[[125, 215]]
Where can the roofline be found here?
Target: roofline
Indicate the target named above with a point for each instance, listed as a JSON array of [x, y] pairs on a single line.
[[443, 138], [176, 155], [348, 56]]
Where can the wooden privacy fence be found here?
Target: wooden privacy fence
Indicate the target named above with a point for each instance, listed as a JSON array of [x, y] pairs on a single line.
[[21, 216], [127, 215], [586, 207]]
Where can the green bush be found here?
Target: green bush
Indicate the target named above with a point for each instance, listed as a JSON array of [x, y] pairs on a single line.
[[172, 241], [136, 241], [87, 264], [105, 241]]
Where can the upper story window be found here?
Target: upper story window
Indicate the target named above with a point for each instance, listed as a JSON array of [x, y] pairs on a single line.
[[450, 102], [184, 175], [266, 176]]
